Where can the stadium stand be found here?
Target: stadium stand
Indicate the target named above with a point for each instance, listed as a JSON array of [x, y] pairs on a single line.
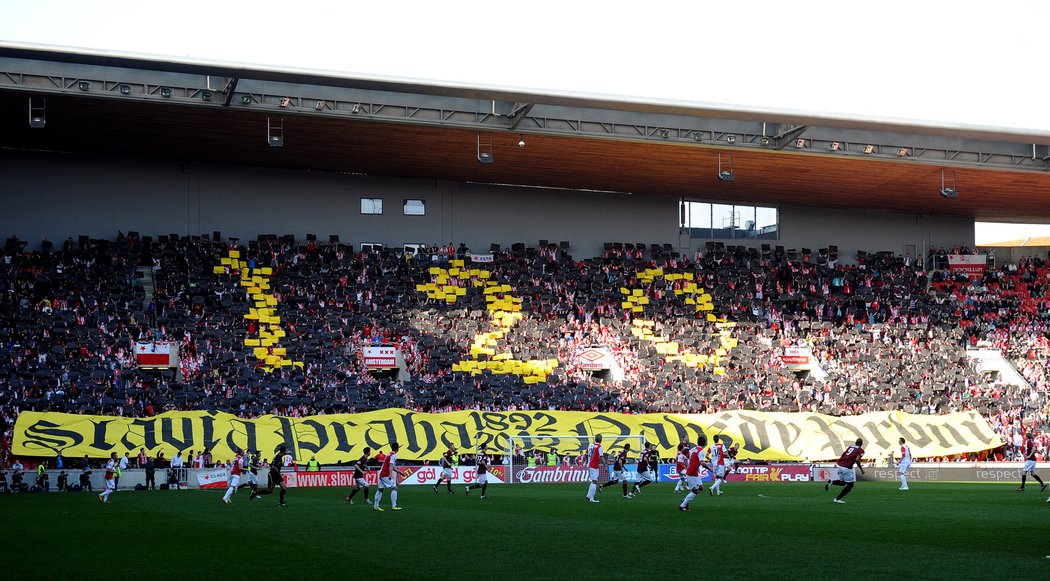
[[887, 333]]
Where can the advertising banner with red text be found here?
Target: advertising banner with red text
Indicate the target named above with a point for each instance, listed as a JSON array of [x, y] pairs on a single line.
[[770, 473], [380, 357], [550, 474], [327, 478], [414, 475], [460, 475], [796, 358], [968, 264], [594, 359]]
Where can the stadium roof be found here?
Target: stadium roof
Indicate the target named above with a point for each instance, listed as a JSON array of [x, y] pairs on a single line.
[[1032, 241], [206, 112]]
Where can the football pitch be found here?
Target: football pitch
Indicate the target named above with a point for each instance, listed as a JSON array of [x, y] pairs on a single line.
[[754, 530]]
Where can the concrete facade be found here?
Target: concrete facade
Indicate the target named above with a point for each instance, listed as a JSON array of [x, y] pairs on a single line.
[[66, 195]]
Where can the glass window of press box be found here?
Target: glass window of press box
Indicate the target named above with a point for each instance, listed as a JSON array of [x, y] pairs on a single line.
[[371, 205], [415, 207], [729, 221]]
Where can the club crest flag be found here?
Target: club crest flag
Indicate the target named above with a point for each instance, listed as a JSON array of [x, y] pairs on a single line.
[[214, 478]]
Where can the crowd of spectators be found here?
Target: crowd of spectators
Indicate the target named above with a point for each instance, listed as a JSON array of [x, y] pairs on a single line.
[[887, 333]]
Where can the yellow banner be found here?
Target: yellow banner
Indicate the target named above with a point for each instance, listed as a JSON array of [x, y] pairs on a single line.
[[335, 438]]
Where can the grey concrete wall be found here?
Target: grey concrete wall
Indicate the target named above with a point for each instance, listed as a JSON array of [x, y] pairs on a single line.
[[57, 196], [870, 231], [1007, 255], [61, 195]]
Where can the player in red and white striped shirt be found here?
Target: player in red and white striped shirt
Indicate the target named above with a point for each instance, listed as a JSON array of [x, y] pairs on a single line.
[[235, 476], [903, 464], [717, 455], [388, 479], [681, 461], [111, 485], [692, 478], [595, 459]]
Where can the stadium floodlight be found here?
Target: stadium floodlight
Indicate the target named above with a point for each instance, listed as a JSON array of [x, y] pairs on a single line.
[[800, 143], [903, 152], [725, 173], [948, 188], [275, 133], [765, 141], [730, 138], [698, 135], [869, 149], [165, 92], [835, 146], [485, 155], [37, 114], [285, 101], [665, 133], [206, 95], [356, 108], [246, 99], [125, 89], [84, 85], [320, 105]]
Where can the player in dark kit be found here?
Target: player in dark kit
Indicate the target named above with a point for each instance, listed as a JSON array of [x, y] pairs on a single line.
[[617, 473], [360, 476], [847, 476], [276, 479], [482, 481], [645, 464], [253, 465], [446, 470]]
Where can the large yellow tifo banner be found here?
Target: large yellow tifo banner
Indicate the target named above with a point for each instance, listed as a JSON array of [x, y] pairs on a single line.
[[341, 437]]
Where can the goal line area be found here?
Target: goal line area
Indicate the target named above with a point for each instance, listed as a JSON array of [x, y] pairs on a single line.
[[562, 458]]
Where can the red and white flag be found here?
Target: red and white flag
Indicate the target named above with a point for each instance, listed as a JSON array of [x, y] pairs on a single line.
[[968, 264], [214, 478], [153, 354]]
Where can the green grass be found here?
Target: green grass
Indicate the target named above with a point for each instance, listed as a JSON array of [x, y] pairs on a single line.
[[958, 531]]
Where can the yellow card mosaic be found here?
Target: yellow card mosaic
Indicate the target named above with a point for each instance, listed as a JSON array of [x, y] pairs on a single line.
[[636, 301], [266, 342], [450, 286]]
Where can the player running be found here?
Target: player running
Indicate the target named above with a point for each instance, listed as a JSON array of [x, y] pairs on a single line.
[[904, 464], [276, 479], [716, 454], [645, 475], [617, 472], [680, 463], [388, 479], [731, 461], [1029, 464], [360, 476], [482, 461], [847, 477], [692, 478], [251, 474], [446, 470], [111, 485], [595, 457], [235, 476]]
